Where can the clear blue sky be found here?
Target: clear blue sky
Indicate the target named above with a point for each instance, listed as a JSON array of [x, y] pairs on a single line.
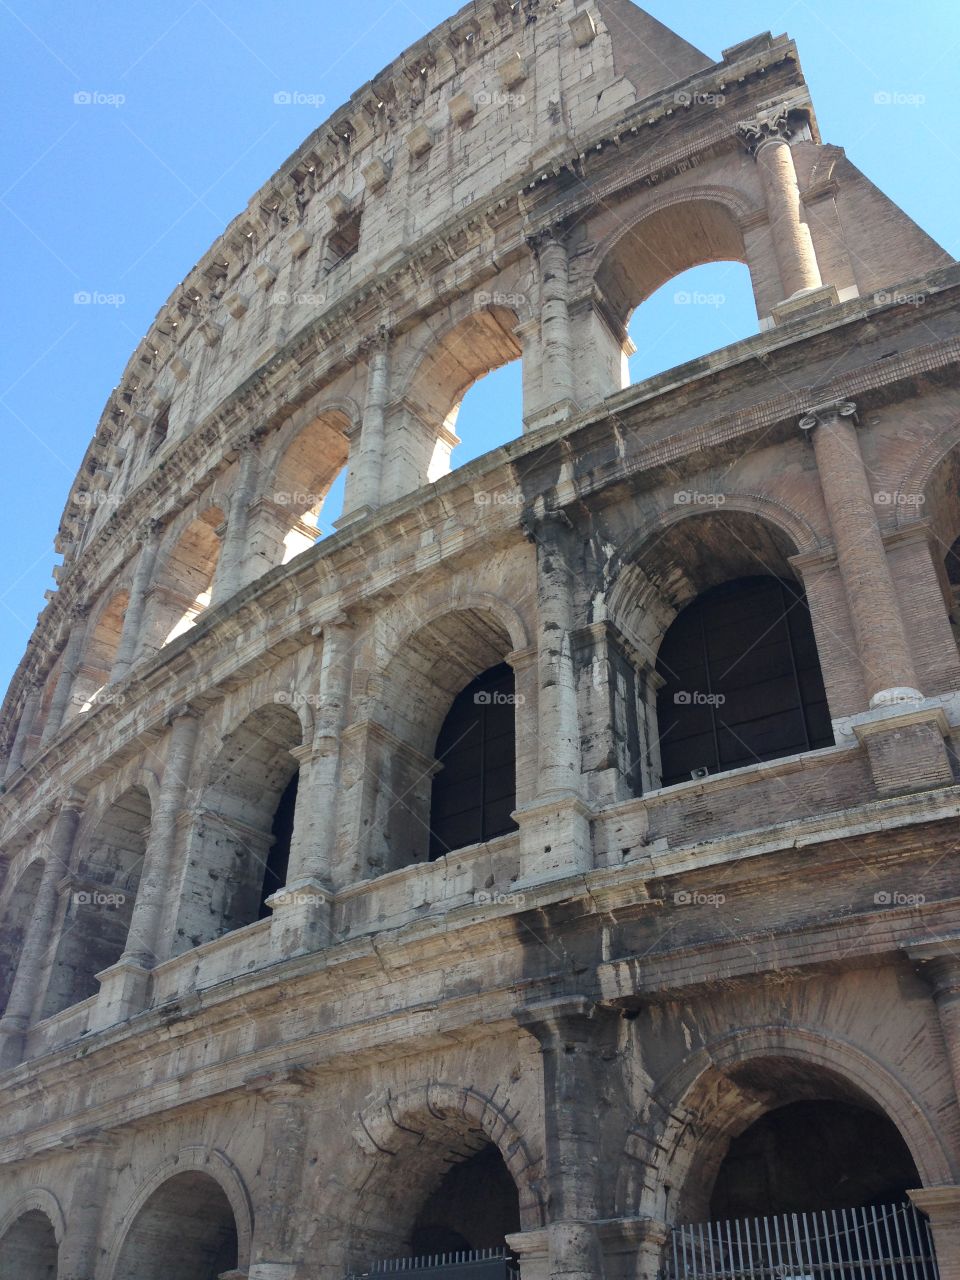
[[124, 199]]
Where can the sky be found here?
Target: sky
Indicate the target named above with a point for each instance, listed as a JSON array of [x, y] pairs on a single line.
[[135, 133]]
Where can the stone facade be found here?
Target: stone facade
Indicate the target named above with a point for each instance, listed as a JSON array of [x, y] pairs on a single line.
[[607, 1003]]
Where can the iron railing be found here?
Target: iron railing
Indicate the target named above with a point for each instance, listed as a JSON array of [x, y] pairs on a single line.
[[477, 1264], [891, 1242]]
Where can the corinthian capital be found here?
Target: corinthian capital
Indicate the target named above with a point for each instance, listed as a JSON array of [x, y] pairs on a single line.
[[771, 126]]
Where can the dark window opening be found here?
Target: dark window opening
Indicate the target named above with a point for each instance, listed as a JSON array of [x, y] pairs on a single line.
[[343, 242], [743, 681], [278, 859], [474, 794]]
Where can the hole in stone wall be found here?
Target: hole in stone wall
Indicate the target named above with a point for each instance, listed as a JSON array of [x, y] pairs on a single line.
[[343, 242], [490, 413]]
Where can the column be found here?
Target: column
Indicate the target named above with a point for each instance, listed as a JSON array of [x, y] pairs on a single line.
[[230, 577], [574, 1036], [39, 934], [555, 825], [150, 537], [275, 1251], [861, 556], [71, 660], [942, 1207], [123, 987], [301, 910], [28, 715], [768, 141], [366, 474], [558, 394], [903, 735], [938, 963], [90, 1176]]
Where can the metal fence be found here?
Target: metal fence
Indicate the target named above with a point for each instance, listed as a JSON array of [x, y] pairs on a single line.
[[889, 1242], [477, 1264]]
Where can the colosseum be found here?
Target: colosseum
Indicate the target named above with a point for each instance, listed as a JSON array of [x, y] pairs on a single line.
[[550, 872]]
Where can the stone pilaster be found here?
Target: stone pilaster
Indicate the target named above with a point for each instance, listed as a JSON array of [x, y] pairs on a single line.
[[230, 576], [365, 479], [575, 1037], [71, 660], [39, 934], [938, 962], [558, 385], [90, 1178], [555, 825], [28, 715], [275, 1248], [768, 141], [123, 987], [133, 619]]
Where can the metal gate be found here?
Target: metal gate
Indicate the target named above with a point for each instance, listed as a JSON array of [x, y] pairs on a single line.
[[477, 1264], [888, 1242]]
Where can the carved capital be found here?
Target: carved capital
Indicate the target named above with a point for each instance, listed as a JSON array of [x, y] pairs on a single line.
[[828, 412], [557, 234], [771, 126]]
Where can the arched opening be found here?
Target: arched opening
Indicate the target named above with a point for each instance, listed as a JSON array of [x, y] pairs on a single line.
[[395, 781], [99, 655], [482, 342], [182, 588], [16, 917], [28, 1249], [240, 843], [100, 903], [490, 413], [709, 302], [475, 792], [813, 1155], [742, 680], [474, 1206], [186, 1229], [306, 493], [692, 315]]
